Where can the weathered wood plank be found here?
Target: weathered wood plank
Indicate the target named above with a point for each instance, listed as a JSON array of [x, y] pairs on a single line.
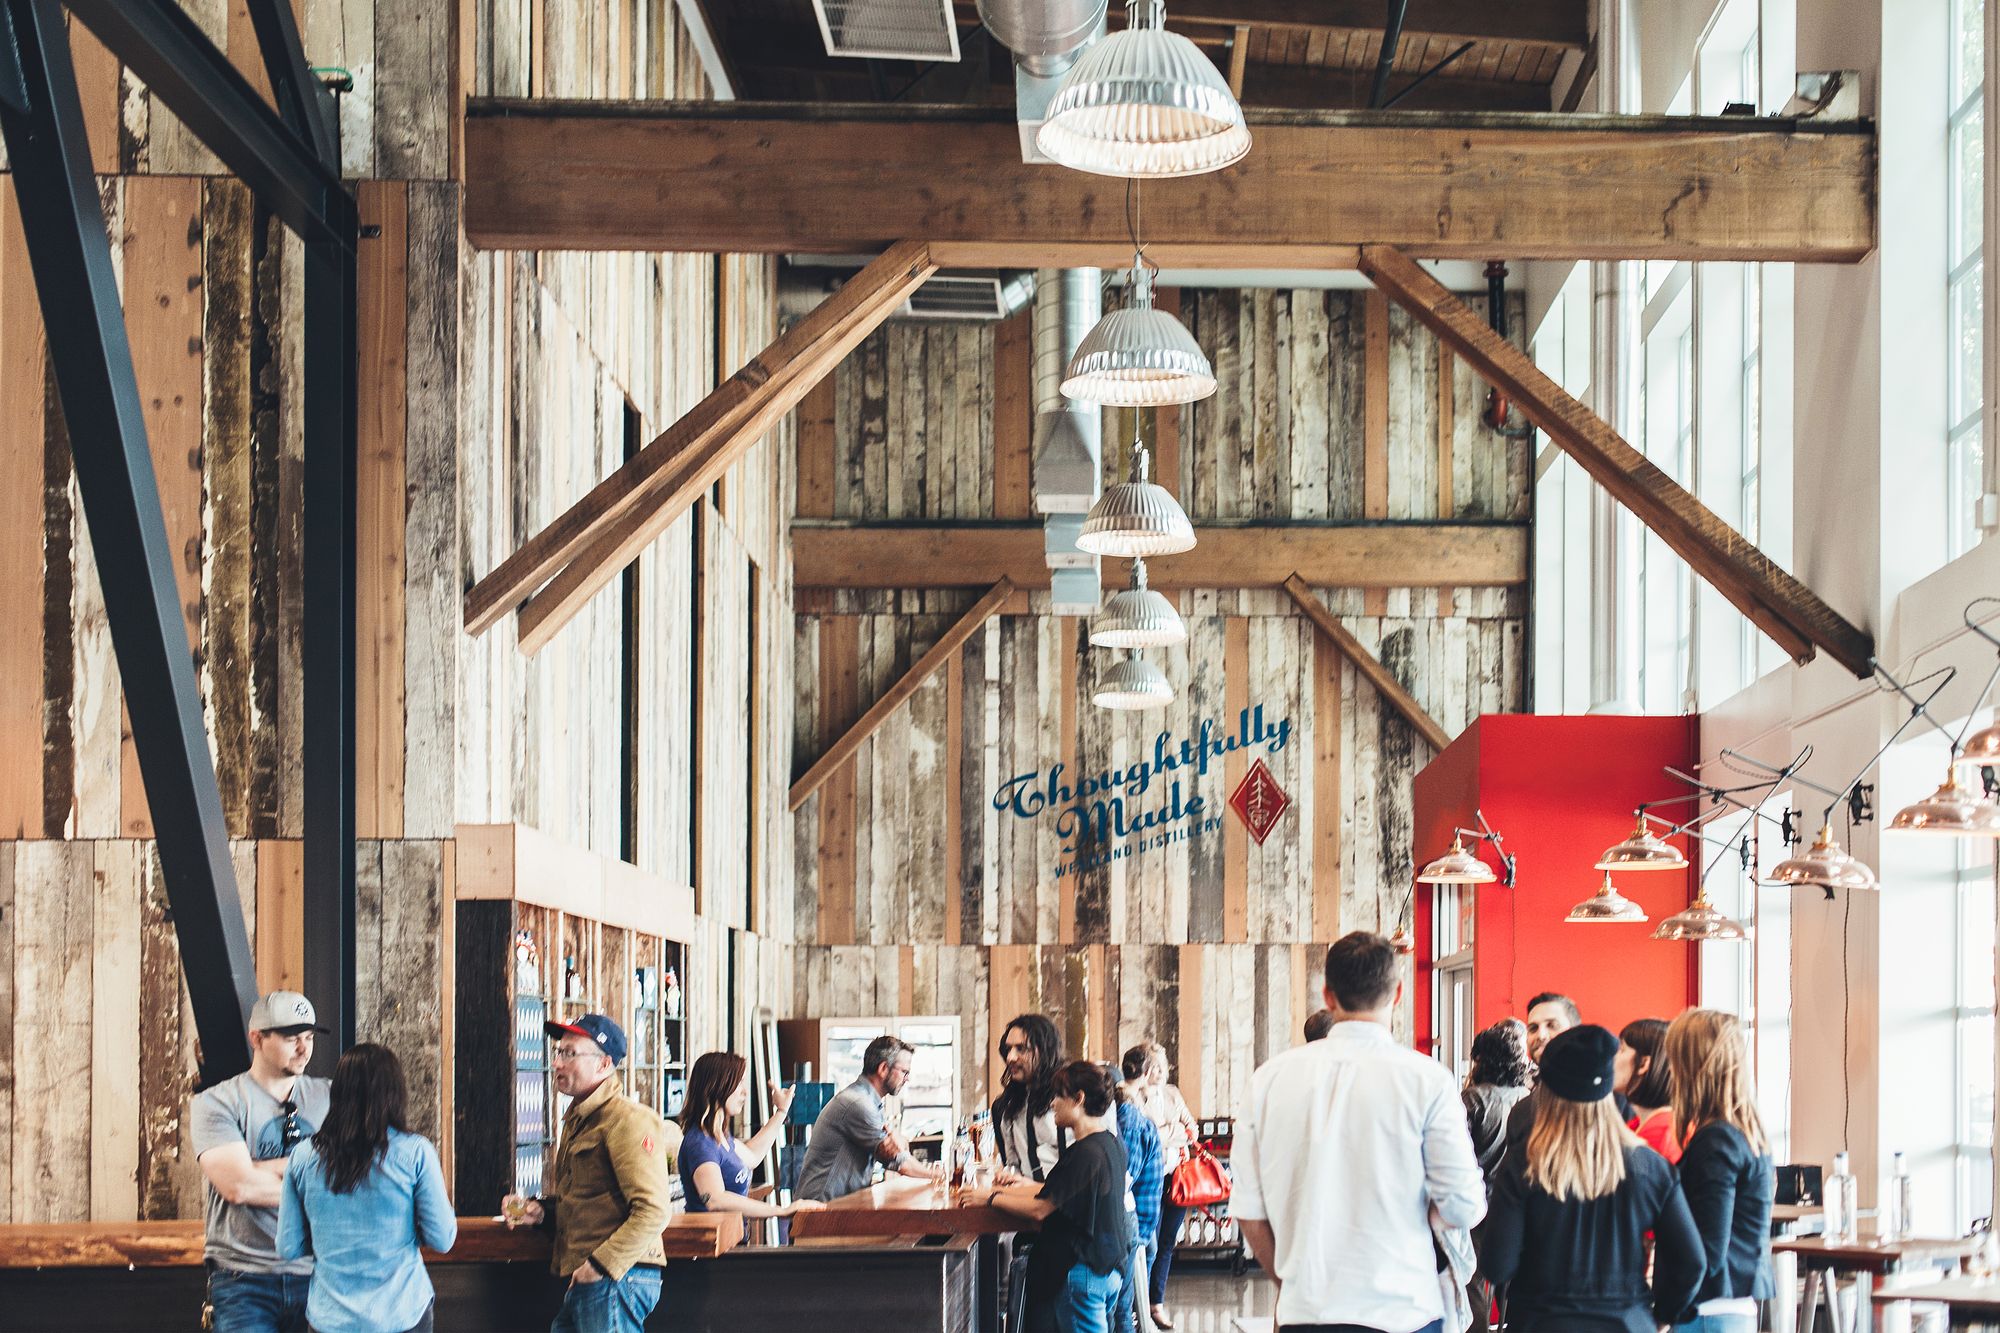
[[53, 928], [1376, 408], [381, 511], [163, 316], [1236, 838], [22, 498], [117, 891]]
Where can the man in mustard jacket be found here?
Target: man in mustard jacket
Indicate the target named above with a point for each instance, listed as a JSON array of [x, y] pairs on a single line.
[[610, 1187]]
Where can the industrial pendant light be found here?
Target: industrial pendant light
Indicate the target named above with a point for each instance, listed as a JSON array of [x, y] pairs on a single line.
[[1457, 866], [1131, 684], [1644, 850], [1699, 922], [1825, 865], [1138, 356], [1953, 808], [1136, 518], [1138, 618], [1144, 102], [1606, 905], [1982, 749]]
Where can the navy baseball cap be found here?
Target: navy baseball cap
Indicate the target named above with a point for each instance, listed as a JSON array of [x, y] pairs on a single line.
[[610, 1038]]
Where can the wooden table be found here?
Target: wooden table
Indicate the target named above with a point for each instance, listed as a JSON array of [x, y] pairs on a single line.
[[1864, 1261], [905, 1207], [1973, 1302]]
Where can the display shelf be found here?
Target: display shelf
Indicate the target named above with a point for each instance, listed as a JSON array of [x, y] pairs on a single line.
[[545, 930]]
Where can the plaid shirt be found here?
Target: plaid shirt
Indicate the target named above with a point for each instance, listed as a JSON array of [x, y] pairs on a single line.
[[1145, 1166]]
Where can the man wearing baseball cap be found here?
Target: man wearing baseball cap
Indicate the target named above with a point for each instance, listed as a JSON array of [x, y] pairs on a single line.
[[244, 1129], [610, 1187]]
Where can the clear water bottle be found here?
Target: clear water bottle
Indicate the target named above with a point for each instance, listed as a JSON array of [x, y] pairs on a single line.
[[961, 1156], [1840, 1204], [1896, 1224]]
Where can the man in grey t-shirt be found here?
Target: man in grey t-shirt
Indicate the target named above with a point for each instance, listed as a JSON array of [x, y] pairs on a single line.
[[244, 1129], [848, 1138]]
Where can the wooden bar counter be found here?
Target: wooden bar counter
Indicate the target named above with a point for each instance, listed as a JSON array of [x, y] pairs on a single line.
[[115, 1277], [904, 1207]]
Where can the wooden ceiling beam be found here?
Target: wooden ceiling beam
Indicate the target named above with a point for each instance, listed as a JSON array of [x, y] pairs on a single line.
[[894, 697], [1778, 604], [1365, 662], [604, 531], [802, 178], [1330, 555]]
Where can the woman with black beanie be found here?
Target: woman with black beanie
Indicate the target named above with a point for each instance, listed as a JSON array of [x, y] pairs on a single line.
[[1565, 1231]]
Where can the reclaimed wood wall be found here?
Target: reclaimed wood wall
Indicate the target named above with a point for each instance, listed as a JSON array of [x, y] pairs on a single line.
[[931, 420], [918, 888], [494, 389]]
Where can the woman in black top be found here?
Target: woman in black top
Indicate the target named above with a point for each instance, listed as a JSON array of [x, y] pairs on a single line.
[[1080, 1259], [1725, 1169], [1565, 1232], [1501, 1072]]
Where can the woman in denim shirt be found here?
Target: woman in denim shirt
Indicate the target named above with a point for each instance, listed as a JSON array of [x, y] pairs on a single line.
[[360, 1196]]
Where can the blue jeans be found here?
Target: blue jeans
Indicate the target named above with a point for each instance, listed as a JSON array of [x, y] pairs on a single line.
[[1089, 1302], [612, 1305], [1719, 1323], [258, 1302]]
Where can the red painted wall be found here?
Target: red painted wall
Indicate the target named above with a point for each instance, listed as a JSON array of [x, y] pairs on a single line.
[[1561, 790]]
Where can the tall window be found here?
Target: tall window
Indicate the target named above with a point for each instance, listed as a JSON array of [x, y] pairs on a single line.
[[1964, 455], [1977, 888], [1751, 494]]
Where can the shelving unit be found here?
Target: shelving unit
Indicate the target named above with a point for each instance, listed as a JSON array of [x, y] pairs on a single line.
[[548, 931], [1213, 1232]]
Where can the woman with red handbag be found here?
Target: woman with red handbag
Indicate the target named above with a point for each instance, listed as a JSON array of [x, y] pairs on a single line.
[[1145, 1068]]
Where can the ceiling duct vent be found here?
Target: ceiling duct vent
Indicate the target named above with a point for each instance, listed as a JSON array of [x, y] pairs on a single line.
[[888, 29], [974, 296]]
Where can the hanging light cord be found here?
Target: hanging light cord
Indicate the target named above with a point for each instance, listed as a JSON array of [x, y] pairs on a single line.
[[1846, 1006], [1133, 216], [1958, 741]]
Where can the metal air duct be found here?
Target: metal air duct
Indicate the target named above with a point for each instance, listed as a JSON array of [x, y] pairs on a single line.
[[1068, 302], [1046, 36]]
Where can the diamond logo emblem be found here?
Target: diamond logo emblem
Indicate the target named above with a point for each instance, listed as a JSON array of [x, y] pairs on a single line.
[[1259, 801]]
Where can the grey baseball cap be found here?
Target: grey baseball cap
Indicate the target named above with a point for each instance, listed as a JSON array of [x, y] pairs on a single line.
[[284, 1011]]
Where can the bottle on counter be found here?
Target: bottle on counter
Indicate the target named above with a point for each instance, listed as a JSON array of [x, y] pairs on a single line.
[[572, 984], [1896, 1219], [961, 1156], [1841, 1196]]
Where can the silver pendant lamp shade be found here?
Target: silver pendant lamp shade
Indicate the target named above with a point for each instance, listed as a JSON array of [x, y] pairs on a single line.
[[1953, 808], [1606, 905], [1136, 518], [1138, 356], [1144, 103], [1138, 617], [1644, 850], [1457, 866], [1826, 865], [1699, 922], [1131, 684]]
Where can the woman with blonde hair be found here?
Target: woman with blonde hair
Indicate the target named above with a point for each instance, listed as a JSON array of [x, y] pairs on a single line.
[[1146, 1067], [1565, 1232], [1725, 1169]]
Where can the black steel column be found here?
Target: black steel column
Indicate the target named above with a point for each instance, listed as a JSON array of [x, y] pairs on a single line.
[[327, 652], [63, 222]]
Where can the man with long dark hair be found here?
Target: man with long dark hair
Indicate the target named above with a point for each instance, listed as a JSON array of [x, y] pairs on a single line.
[[244, 1129], [1031, 1052], [611, 1187]]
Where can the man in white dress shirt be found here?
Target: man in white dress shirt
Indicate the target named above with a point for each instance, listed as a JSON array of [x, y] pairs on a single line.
[[1345, 1150]]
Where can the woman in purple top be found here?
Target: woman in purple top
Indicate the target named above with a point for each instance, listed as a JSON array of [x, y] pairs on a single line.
[[715, 1165]]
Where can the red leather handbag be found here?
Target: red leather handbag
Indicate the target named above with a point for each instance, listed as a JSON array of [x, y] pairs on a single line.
[[1200, 1181]]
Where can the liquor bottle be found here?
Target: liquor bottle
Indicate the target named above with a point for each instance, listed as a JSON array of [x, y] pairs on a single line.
[[1896, 1225], [572, 984], [673, 994], [1840, 1201], [961, 1156]]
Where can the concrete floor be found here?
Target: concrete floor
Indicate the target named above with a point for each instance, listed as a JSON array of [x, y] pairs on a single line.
[[1209, 1300]]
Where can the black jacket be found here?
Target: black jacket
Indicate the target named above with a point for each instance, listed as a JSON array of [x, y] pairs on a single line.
[[1728, 1186], [1486, 1109], [1581, 1264]]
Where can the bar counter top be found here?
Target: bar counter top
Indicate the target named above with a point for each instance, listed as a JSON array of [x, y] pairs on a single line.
[[901, 1206], [178, 1244]]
